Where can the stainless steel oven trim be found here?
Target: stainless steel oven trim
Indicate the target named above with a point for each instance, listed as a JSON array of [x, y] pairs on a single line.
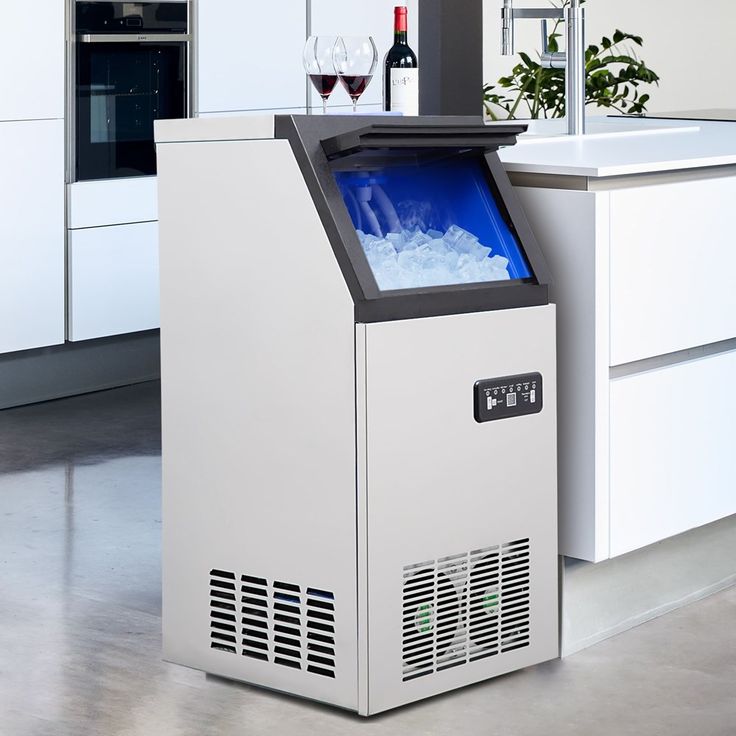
[[192, 62], [71, 63], [133, 38]]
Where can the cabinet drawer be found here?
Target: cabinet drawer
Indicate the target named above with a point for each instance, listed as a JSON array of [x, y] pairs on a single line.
[[673, 465], [113, 280], [673, 259], [112, 202]]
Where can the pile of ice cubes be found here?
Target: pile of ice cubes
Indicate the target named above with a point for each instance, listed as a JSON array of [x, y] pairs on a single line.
[[412, 259]]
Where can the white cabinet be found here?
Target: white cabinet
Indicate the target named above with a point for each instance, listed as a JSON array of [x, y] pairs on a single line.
[[672, 461], [113, 280], [361, 18], [32, 60], [643, 280], [31, 234], [250, 55], [673, 259], [112, 202]]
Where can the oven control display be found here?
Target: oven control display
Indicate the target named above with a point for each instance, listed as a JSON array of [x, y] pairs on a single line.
[[509, 396]]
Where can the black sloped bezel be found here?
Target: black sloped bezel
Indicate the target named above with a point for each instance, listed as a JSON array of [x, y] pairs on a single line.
[[308, 135]]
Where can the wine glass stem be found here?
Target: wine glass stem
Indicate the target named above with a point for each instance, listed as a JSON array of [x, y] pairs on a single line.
[[355, 104], [324, 106]]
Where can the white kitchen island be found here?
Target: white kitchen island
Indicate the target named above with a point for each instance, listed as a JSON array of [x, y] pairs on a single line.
[[637, 223]]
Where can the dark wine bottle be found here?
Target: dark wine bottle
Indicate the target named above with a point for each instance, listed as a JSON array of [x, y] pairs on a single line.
[[401, 70]]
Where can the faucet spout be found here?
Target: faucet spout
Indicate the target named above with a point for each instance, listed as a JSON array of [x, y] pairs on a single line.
[[573, 60], [575, 77], [507, 28]]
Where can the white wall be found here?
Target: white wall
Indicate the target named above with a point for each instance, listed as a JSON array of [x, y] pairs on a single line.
[[689, 44]]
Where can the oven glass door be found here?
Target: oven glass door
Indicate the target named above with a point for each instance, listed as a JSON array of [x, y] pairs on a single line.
[[121, 89]]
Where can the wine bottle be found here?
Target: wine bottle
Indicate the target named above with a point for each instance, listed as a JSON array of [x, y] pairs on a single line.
[[401, 70]]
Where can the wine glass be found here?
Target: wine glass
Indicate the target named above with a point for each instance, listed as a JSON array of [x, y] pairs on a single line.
[[319, 66], [355, 59]]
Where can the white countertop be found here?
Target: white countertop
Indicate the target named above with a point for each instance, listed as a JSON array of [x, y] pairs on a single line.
[[622, 146]]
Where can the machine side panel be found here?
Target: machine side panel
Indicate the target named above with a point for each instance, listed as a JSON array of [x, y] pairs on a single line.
[[461, 515], [362, 514], [257, 339]]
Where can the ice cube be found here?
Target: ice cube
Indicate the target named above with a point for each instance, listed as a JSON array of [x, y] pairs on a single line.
[[499, 262], [434, 234], [479, 252], [438, 245], [451, 259], [460, 240], [385, 249], [419, 238], [409, 260]]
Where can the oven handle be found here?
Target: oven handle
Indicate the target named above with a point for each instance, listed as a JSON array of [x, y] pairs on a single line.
[[134, 38]]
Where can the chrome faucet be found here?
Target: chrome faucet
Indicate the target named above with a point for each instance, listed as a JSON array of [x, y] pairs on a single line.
[[572, 60]]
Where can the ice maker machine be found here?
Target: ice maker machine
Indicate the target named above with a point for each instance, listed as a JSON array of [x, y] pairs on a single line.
[[358, 378]]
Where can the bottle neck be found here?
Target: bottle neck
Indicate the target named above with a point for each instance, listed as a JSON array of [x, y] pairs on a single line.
[[400, 26]]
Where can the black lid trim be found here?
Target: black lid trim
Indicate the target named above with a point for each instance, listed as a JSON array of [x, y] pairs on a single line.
[[487, 138]]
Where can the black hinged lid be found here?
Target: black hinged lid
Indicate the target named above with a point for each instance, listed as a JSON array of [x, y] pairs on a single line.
[[483, 137]]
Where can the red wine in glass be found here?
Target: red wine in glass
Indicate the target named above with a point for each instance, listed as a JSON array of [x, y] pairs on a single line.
[[355, 84], [355, 59], [319, 66], [324, 84]]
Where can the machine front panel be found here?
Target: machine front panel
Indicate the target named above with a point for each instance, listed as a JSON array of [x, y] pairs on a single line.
[[461, 515]]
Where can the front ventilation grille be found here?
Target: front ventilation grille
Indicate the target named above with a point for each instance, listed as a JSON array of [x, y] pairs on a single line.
[[465, 607], [278, 622]]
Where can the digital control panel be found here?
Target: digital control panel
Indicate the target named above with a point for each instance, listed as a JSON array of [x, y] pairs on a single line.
[[509, 396]]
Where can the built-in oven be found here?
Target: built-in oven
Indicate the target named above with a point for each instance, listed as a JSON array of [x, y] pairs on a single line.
[[130, 67]]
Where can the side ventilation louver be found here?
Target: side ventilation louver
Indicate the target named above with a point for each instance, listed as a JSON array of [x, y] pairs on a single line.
[[279, 622], [223, 611], [465, 607], [254, 609]]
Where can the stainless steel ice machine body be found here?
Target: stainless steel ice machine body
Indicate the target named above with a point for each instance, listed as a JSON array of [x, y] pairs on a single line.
[[358, 379]]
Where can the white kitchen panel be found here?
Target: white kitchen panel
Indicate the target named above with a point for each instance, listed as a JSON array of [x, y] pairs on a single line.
[[237, 113], [31, 234], [362, 18], [32, 60], [112, 202], [348, 109], [673, 465], [113, 280], [250, 54], [673, 257]]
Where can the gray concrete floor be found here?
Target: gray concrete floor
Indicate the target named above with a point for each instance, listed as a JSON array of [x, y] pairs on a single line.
[[80, 625]]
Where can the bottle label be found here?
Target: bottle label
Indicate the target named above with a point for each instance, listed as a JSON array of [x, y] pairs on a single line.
[[405, 91]]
